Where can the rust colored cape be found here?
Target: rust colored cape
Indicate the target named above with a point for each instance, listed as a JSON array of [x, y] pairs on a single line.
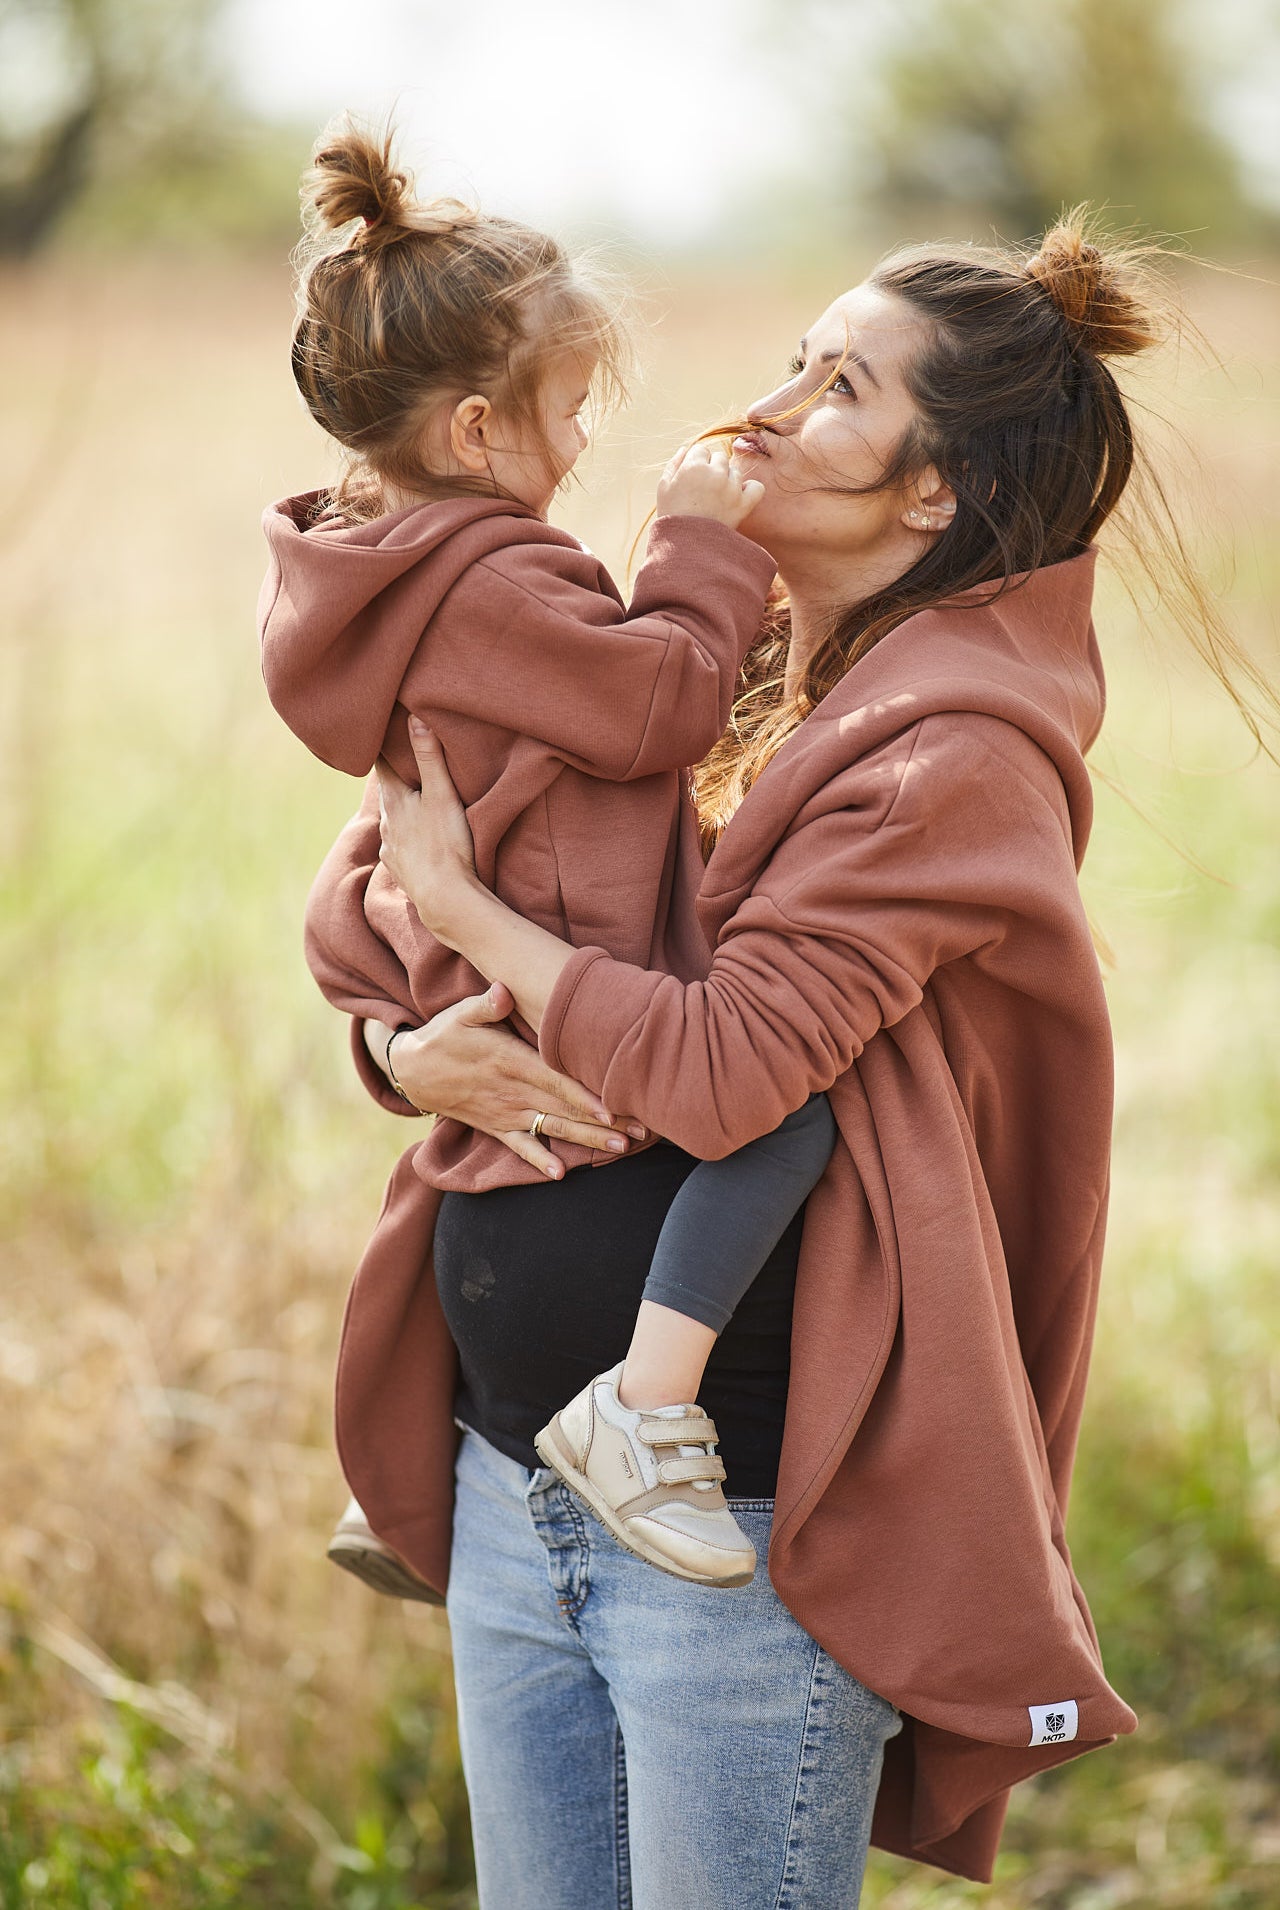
[[895, 916]]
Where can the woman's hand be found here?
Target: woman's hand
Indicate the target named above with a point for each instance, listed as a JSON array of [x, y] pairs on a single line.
[[428, 852], [462, 1064], [426, 843]]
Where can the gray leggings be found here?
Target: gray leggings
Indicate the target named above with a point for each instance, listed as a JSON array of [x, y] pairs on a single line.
[[730, 1215]]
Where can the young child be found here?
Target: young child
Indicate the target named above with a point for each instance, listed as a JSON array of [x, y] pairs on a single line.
[[453, 355]]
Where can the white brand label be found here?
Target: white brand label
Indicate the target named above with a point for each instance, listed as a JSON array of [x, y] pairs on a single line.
[[1054, 1723]]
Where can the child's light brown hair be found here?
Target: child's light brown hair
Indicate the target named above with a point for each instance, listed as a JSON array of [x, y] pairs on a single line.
[[424, 302]]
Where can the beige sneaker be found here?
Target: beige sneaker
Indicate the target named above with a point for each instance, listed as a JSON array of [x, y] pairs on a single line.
[[653, 1478], [357, 1548]]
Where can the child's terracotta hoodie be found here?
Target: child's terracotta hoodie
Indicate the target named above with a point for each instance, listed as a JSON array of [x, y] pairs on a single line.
[[895, 916], [567, 720]]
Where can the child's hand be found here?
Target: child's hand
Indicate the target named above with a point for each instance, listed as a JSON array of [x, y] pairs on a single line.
[[701, 482]]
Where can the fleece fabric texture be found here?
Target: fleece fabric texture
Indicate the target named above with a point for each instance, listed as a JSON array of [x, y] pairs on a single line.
[[894, 916], [567, 718]]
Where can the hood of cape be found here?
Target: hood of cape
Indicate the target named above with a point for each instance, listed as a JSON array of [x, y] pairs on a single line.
[[1027, 656], [344, 606]]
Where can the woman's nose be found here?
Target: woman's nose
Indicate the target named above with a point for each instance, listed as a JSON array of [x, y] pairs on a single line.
[[771, 410]]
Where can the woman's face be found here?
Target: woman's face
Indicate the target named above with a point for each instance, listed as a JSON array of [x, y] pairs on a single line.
[[839, 439]]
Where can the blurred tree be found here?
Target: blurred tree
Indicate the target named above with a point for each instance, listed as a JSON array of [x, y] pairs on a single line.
[[97, 92], [1018, 108]]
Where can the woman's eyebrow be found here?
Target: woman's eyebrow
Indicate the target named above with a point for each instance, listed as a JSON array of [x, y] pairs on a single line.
[[848, 355]]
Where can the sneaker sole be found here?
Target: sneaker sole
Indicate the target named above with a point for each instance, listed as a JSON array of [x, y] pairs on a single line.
[[578, 1483], [382, 1571]]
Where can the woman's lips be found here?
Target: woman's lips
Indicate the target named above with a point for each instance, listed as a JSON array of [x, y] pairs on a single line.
[[751, 443]]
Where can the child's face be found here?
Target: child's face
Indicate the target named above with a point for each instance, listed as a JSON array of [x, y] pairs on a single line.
[[532, 468]]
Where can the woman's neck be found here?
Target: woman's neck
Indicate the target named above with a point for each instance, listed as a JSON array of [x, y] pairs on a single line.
[[820, 596], [811, 624]]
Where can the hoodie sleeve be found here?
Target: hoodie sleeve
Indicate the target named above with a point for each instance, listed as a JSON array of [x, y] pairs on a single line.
[[358, 970], [920, 854], [528, 640]]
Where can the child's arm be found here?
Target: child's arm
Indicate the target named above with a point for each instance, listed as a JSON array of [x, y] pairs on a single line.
[[460, 1061], [534, 638], [648, 695], [357, 970]]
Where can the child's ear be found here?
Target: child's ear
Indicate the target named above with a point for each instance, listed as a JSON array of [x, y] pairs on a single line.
[[469, 428]]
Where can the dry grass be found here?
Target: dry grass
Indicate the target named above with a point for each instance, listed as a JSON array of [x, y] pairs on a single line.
[[189, 1173]]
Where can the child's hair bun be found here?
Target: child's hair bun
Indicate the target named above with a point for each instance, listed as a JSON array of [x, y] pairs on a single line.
[[403, 304], [1096, 287], [354, 176]]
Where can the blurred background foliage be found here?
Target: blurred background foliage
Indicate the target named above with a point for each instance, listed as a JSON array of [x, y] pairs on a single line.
[[120, 125], [1016, 109], [128, 114], [194, 1709]]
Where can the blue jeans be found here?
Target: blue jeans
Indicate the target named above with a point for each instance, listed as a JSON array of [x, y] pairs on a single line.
[[633, 1742]]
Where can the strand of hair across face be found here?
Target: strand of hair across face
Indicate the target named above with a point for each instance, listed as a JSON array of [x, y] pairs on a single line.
[[1033, 487]]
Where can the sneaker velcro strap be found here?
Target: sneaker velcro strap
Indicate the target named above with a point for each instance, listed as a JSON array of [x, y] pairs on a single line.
[[680, 1472], [696, 1430]]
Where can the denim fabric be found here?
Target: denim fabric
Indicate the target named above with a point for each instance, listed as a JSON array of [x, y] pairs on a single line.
[[633, 1742]]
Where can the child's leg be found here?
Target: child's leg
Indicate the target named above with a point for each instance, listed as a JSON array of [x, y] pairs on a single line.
[[720, 1229], [634, 1445], [355, 1547]]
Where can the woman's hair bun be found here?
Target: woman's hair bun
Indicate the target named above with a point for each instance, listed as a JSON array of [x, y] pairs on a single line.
[[1097, 286], [354, 175]]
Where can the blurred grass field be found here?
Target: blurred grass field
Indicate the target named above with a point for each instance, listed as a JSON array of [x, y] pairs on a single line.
[[197, 1710]]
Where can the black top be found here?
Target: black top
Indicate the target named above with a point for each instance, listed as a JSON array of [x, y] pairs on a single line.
[[540, 1286]]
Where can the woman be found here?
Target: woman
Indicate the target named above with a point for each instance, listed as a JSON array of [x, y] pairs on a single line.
[[892, 915]]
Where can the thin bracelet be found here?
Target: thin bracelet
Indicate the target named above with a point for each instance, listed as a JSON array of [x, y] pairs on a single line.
[[406, 1027]]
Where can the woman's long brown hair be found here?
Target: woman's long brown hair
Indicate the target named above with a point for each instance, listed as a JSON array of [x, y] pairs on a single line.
[[1020, 414]]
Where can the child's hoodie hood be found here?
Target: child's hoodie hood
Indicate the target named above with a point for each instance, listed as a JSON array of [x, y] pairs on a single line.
[[343, 608]]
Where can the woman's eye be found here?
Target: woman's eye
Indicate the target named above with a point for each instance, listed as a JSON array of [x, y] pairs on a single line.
[[842, 385], [796, 365]]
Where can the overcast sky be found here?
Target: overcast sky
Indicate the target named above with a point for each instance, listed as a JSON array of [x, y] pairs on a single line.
[[658, 115], [653, 115]]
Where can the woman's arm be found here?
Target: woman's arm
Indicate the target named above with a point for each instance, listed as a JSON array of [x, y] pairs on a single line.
[[427, 849], [460, 1062], [897, 876]]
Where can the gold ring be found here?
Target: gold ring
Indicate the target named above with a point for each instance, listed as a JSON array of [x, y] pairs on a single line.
[[539, 1122]]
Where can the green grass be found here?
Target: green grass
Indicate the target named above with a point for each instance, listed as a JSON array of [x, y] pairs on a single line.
[[197, 1711], [132, 1815]]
